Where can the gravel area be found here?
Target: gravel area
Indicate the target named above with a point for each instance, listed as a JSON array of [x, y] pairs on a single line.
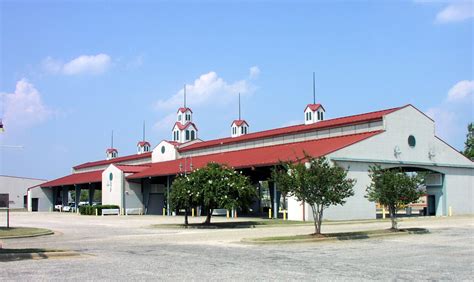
[[126, 248]]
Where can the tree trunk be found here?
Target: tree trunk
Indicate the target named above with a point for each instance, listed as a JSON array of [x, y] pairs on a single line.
[[393, 217], [186, 217], [208, 218], [317, 217]]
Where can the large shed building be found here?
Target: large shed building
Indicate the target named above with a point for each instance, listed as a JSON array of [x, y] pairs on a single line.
[[398, 137]]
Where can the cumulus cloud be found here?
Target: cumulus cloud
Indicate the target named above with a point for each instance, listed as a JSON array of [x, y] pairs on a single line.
[[456, 11], [84, 64], [209, 92], [208, 88], [24, 107], [462, 90], [451, 116], [254, 72]]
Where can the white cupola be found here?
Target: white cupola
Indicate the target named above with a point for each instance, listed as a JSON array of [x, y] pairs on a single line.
[[111, 153], [143, 147], [313, 113], [239, 126], [184, 129]]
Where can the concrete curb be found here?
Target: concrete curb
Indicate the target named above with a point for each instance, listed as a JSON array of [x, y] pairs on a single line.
[[336, 238], [35, 256], [28, 236]]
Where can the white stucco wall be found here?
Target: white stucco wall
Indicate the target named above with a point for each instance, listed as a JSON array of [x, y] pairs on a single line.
[[133, 196], [17, 188], [45, 199], [112, 191], [169, 154]]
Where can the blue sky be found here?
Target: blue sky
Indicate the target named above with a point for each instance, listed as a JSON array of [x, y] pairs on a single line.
[[73, 71]]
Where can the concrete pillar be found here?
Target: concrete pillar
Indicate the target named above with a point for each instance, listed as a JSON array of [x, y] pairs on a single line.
[[91, 193], [276, 201], [77, 190], [168, 184], [65, 196]]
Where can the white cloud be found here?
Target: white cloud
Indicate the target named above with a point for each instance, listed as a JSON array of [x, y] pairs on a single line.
[[165, 124], [456, 11], [24, 107], [84, 64], [461, 90], [254, 72], [209, 88]]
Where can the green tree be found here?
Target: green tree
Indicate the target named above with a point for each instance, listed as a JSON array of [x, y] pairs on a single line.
[[213, 186], [184, 195], [469, 144], [315, 182], [394, 189]]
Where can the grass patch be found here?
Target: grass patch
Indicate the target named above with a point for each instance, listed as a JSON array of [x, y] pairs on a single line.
[[337, 236], [19, 232], [28, 251], [234, 224]]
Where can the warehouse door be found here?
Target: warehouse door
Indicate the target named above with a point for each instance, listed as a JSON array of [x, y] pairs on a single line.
[[156, 204], [431, 205], [34, 204]]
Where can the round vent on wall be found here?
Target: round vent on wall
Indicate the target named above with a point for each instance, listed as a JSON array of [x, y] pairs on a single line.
[[411, 141]]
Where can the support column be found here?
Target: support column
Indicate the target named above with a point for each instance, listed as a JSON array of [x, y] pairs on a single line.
[[168, 212], [91, 193], [275, 201], [77, 190], [65, 196]]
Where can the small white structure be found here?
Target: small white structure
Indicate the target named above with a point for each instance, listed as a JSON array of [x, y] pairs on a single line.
[[143, 147], [313, 113], [239, 127], [111, 153]]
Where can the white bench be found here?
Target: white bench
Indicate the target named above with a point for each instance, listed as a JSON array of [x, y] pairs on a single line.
[[110, 211], [130, 211]]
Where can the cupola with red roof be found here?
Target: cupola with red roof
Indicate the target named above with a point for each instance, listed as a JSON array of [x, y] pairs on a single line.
[[111, 153], [143, 146], [239, 126], [313, 112], [184, 129]]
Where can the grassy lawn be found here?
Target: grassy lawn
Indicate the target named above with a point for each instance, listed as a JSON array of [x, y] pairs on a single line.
[[16, 232], [338, 236]]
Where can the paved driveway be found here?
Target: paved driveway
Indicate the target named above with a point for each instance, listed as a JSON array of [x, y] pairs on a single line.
[[125, 248]]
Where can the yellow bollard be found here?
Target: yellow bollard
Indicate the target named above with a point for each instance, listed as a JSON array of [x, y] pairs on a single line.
[[227, 213], [164, 211], [192, 212], [383, 212], [450, 211], [96, 212], [284, 214], [270, 213]]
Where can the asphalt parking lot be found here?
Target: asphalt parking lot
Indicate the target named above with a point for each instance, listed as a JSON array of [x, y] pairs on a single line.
[[127, 248]]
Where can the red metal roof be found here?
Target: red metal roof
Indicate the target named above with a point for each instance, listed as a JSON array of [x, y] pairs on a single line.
[[314, 107], [336, 122], [183, 110], [186, 125], [262, 156], [115, 160], [110, 150], [239, 122], [76, 178], [132, 168]]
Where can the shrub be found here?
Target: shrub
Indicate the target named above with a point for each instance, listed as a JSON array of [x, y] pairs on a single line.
[[91, 210]]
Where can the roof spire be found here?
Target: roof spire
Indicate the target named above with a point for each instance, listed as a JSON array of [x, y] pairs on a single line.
[[112, 140], [143, 131], [314, 89], [239, 106], [185, 95]]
